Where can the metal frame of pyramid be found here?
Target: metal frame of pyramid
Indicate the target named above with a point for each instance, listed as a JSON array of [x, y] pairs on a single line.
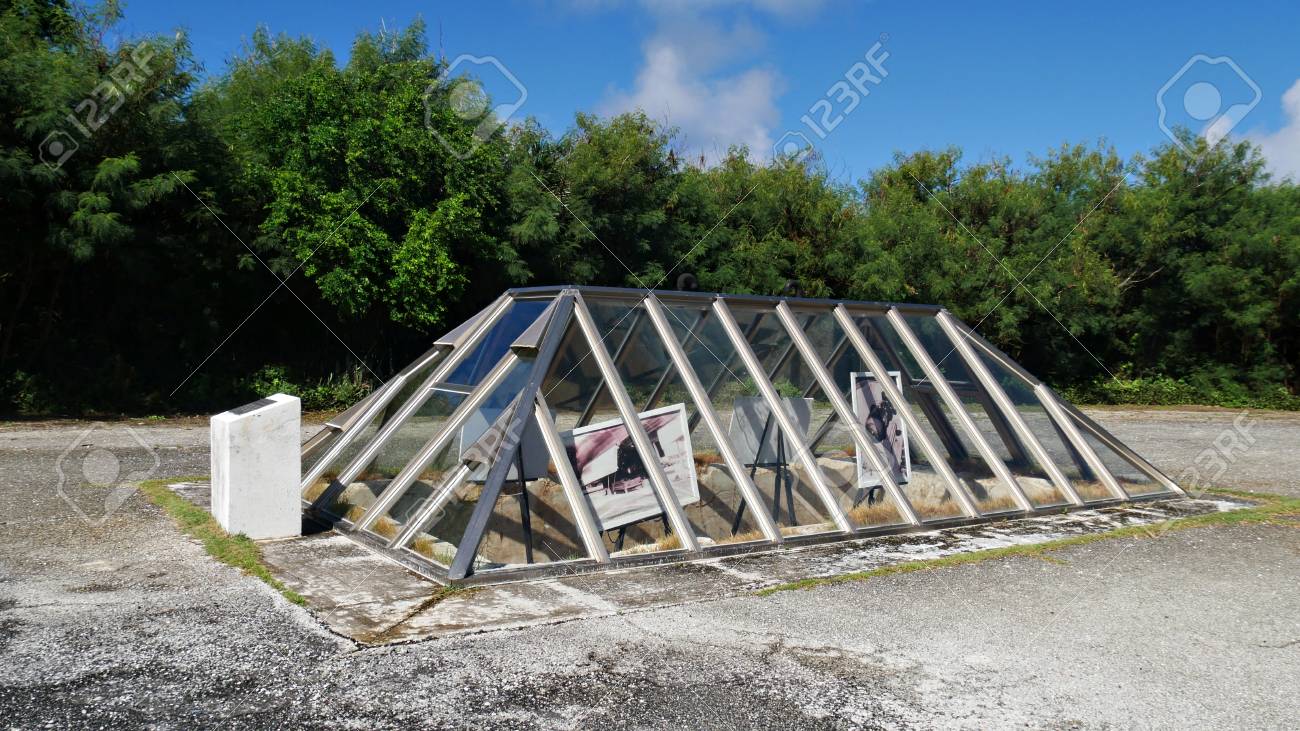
[[431, 465]]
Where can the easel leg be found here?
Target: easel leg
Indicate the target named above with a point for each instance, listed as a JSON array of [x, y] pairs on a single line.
[[525, 515], [740, 514], [776, 495]]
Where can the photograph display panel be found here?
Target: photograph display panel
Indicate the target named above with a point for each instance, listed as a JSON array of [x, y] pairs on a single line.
[[614, 480], [872, 409], [753, 431]]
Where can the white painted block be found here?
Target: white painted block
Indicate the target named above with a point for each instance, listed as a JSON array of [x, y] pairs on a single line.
[[256, 468]]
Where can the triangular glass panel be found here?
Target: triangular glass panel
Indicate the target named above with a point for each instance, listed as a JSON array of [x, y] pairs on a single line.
[[1126, 472]]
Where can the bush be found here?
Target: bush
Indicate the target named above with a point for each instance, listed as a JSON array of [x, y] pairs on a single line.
[[328, 394], [1200, 389], [25, 394]]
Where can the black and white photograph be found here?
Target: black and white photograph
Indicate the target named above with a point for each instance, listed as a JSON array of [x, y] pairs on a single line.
[[874, 411], [613, 477]]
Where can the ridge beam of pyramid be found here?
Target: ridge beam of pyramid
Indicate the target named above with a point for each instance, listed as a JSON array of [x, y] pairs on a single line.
[[587, 527], [462, 564]]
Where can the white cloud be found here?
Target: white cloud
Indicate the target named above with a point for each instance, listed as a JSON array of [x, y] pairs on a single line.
[[1282, 148], [698, 75], [711, 114]]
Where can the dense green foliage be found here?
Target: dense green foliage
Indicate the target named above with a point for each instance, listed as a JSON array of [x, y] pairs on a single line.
[[164, 237]]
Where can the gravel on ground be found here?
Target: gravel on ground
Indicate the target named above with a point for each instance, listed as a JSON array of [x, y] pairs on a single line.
[[110, 618]]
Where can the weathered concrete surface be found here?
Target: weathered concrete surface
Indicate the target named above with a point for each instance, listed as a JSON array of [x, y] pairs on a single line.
[[128, 624], [364, 596]]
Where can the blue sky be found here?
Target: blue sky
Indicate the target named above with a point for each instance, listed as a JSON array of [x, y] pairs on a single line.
[[996, 79]]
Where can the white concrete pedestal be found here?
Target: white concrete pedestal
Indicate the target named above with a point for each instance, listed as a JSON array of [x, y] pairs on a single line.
[[256, 468]]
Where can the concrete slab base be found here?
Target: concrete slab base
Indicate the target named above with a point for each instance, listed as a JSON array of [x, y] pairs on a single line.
[[362, 595]]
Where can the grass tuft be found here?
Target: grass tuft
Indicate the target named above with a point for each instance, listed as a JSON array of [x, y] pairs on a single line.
[[239, 550], [1270, 509], [881, 513], [753, 535]]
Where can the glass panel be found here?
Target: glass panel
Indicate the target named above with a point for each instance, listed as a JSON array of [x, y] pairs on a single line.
[[718, 516], [856, 486], [495, 343], [368, 431], [531, 521], [398, 449], [992, 426], [1134, 481], [1058, 446], [319, 450], [776, 473], [925, 487], [600, 450]]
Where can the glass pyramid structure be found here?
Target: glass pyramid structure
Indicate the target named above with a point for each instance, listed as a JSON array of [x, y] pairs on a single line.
[[567, 429]]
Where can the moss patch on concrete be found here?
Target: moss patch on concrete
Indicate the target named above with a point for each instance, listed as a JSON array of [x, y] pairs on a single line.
[[1272, 509], [239, 550]]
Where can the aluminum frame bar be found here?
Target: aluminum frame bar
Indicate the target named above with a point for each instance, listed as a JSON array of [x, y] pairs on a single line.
[[1105, 437], [1081, 445], [941, 466], [721, 377], [587, 527], [845, 413], [590, 409], [957, 408], [792, 432], [632, 422], [1006, 434], [1008, 408], [704, 406], [662, 384], [439, 441], [436, 502], [345, 438], [441, 370]]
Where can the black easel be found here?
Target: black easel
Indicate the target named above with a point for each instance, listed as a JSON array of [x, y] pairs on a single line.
[[622, 530], [525, 516], [780, 476]]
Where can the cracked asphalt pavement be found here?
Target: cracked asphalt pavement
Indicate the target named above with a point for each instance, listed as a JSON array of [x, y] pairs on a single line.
[[111, 618]]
